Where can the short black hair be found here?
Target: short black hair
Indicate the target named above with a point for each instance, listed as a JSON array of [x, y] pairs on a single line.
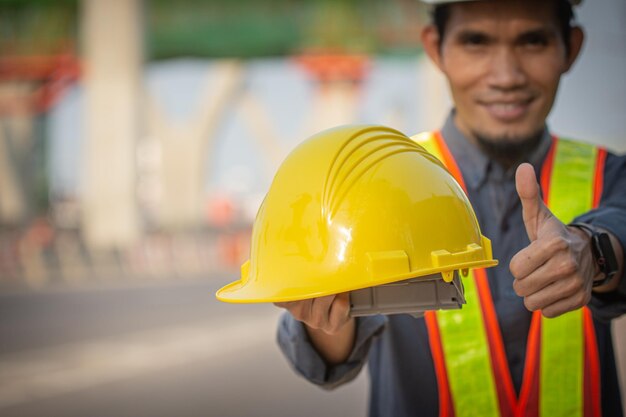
[[562, 8]]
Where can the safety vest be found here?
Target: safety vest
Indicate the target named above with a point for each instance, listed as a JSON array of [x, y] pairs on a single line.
[[561, 373]]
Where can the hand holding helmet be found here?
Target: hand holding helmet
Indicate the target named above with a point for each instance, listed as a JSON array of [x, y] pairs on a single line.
[[328, 323]]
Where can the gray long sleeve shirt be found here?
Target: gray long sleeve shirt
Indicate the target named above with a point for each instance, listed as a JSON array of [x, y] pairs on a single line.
[[396, 347]]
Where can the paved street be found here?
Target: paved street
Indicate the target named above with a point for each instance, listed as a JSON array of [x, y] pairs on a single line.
[[160, 348]]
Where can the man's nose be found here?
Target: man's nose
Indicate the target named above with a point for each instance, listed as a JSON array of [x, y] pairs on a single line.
[[506, 71]]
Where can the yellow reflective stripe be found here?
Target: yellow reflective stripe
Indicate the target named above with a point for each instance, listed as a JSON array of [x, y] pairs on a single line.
[[466, 351], [562, 338], [561, 366], [464, 343], [571, 183]]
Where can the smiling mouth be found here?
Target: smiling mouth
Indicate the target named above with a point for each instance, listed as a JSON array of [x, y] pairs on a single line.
[[508, 111]]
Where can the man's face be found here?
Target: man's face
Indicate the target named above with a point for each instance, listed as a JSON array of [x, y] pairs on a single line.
[[503, 61]]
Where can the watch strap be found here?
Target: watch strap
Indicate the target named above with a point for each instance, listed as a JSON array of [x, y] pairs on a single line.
[[602, 251]]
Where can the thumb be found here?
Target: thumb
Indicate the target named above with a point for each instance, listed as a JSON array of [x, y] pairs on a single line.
[[533, 209]]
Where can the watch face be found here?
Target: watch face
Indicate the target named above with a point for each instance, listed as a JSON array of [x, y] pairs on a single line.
[[602, 251], [604, 256]]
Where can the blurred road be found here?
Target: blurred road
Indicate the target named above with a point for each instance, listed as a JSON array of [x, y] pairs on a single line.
[[161, 348]]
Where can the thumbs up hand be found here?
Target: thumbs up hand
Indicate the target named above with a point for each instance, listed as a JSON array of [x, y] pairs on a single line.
[[555, 272]]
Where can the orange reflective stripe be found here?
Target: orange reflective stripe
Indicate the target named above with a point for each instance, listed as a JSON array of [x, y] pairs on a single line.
[[529, 393], [448, 160], [598, 182], [592, 368], [504, 386], [590, 331], [446, 407], [592, 392], [546, 171]]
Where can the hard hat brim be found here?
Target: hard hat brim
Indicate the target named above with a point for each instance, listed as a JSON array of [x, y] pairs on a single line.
[[250, 292]]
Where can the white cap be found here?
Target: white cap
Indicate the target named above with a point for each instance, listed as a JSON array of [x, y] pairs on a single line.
[[435, 2]]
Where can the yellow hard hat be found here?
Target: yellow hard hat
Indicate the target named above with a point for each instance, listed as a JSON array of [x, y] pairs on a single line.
[[355, 207]]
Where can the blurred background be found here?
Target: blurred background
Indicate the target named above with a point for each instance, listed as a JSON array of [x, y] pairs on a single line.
[[137, 140]]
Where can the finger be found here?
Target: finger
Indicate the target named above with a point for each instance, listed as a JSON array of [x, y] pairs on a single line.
[[566, 305], [532, 205], [298, 309], [290, 306], [557, 268], [339, 311], [527, 260], [534, 283], [550, 294], [532, 257], [319, 312]]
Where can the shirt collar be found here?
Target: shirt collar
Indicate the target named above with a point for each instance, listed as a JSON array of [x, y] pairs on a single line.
[[474, 164]]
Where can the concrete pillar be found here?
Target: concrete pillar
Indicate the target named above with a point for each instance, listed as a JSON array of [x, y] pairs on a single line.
[[113, 53], [433, 95], [184, 147], [335, 103]]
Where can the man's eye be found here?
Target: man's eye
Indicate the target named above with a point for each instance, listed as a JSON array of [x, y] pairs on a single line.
[[534, 41], [474, 40]]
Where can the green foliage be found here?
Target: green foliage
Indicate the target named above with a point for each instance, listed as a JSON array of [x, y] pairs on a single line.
[[247, 28], [37, 27], [227, 28], [219, 29]]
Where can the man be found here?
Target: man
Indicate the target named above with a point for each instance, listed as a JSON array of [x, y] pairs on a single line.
[[503, 61]]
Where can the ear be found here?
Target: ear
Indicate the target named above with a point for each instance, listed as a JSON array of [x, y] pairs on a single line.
[[431, 44], [577, 38]]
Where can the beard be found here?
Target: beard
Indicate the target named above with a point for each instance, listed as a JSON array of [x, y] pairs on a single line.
[[508, 150]]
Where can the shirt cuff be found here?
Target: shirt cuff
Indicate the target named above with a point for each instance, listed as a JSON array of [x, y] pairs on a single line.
[[296, 346]]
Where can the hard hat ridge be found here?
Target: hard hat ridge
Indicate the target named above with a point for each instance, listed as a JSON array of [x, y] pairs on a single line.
[[362, 152]]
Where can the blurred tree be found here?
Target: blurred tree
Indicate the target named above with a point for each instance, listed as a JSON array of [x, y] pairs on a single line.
[[30, 33], [37, 27], [252, 28]]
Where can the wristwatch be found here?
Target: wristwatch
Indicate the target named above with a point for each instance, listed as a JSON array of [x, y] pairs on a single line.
[[602, 251]]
